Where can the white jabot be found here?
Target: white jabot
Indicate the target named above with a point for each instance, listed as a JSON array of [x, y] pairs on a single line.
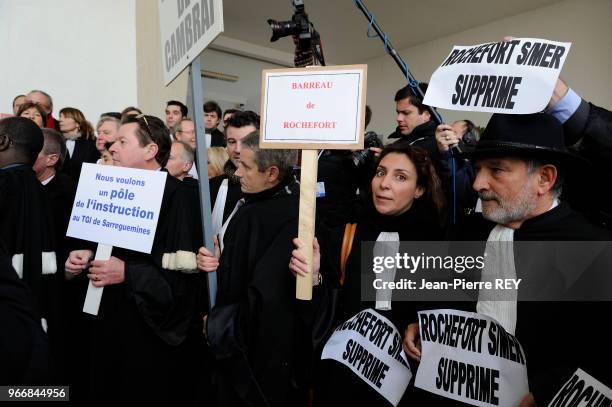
[[193, 172], [70, 147], [387, 245], [219, 207], [45, 182], [499, 263], [227, 221]]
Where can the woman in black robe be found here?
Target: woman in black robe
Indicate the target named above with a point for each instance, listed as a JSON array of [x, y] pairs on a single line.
[[406, 202]]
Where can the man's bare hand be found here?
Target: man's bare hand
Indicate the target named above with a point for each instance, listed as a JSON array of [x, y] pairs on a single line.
[[78, 260], [107, 272], [445, 137], [412, 341]]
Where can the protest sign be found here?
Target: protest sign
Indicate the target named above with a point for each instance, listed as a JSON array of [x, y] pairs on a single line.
[[371, 346], [186, 27], [313, 108], [300, 109], [469, 357], [517, 77], [115, 206], [582, 390]]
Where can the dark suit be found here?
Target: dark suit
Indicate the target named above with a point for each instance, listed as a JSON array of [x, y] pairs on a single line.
[[84, 152]]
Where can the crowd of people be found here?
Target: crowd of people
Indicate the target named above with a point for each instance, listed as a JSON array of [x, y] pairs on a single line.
[[523, 178]]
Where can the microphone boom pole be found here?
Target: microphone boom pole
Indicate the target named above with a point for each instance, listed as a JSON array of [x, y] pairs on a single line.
[[398, 60]]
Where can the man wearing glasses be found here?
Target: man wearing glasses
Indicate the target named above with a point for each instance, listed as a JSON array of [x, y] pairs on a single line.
[[141, 348]]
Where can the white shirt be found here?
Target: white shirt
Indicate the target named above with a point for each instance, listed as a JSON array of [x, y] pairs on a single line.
[[70, 147]]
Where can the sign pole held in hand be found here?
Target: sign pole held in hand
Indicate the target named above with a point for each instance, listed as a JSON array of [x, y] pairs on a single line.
[[300, 110], [115, 206], [308, 202], [94, 294]]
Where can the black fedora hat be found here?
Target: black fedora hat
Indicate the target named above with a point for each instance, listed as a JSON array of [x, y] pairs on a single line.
[[537, 135]]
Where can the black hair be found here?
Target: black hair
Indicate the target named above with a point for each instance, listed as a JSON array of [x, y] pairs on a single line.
[[212, 106], [152, 129], [25, 136], [184, 109], [416, 101], [242, 119]]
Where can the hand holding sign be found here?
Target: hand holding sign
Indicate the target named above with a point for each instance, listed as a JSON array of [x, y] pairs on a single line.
[[77, 261], [107, 272], [299, 263], [300, 110], [114, 206], [412, 341]]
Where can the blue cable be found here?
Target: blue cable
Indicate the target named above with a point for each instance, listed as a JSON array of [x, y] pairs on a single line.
[[413, 83]]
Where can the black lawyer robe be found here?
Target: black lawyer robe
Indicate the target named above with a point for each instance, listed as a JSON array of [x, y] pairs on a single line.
[[251, 329], [233, 189], [26, 228], [84, 152], [558, 336], [24, 350], [419, 223], [140, 340]]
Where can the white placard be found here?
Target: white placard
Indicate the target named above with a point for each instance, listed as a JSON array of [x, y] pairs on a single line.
[[582, 390], [311, 108], [471, 358], [186, 27], [499, 77], [117, 206], [370, 345]]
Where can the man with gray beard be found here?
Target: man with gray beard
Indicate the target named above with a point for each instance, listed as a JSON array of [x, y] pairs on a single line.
[[521, 162]]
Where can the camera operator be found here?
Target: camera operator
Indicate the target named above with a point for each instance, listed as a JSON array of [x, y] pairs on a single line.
[[341, 175], [460, 136]]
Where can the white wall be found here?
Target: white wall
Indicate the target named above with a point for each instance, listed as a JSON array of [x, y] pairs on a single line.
[[82, 52], [588, 67]]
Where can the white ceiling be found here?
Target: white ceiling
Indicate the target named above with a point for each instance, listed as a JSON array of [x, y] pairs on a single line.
[[343, 27]]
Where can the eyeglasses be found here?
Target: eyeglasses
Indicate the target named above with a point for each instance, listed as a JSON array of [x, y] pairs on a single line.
[[144, 119]]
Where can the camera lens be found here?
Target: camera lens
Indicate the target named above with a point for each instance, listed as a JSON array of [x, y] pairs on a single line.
[[282, 29]]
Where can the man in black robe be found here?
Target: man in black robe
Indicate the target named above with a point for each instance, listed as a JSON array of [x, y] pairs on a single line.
[[24, 350], [251, 329], [25, 223], [225, 189], [520, 164], [147, 326]]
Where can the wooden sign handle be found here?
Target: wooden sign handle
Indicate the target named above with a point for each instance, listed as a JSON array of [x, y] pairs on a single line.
[[308, 201], [94, 294]]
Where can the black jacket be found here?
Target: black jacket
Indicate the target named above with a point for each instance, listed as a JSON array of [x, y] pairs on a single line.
[[548, 330], [217, 139], [424, 136], [251, 329], [588, 132], [84, 152], [336, 383]]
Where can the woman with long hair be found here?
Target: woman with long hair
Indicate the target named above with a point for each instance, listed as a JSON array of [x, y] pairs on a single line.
[[406, 204], [80, 141]]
